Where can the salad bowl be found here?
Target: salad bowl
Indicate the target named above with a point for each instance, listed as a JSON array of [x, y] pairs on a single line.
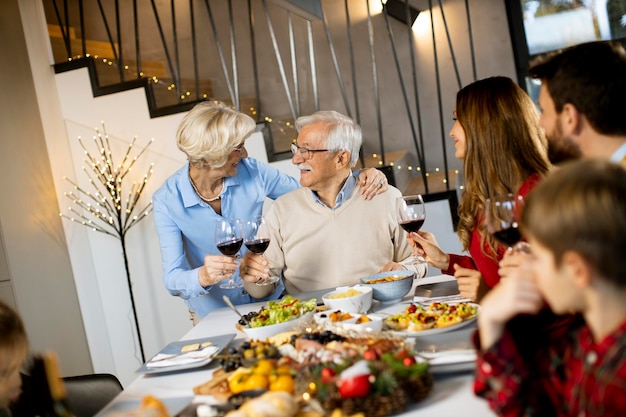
[[279, 316]]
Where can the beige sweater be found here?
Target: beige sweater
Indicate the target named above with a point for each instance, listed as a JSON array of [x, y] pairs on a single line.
[[315, 247]]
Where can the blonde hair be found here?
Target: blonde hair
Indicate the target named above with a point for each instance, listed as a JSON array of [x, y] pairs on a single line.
[[211, 131], [581, 207], [504, 146]]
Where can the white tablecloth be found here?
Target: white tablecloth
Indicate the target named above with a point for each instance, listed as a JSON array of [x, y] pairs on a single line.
[[452, 393]]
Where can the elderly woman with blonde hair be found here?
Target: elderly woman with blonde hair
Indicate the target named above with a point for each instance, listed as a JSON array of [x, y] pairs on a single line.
[[219, 181]]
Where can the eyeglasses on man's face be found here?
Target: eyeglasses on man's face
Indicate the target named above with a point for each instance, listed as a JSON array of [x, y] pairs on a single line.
[[304, 152]]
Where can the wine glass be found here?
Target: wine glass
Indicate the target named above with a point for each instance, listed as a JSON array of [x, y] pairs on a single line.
[[502, 218], [411, 214], [229, 238], [256, 238]]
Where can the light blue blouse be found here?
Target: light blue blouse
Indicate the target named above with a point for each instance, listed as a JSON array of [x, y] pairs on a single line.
[[185, 225]]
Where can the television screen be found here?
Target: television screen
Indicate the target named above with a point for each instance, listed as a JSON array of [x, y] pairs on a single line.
[[556, 24]]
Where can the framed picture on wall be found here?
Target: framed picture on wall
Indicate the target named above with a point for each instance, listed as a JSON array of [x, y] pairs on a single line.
[[541, 26]]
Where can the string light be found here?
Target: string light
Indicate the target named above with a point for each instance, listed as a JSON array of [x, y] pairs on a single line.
[[285, 128], [102, 207]]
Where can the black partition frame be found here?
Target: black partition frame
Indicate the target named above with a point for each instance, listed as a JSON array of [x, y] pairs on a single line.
[[519, 43]]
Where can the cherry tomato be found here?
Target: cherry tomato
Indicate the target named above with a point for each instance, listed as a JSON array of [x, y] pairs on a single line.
[[411, 309], [408, 360], [356, 387], [327, 375], [370, 355], [401, 354]]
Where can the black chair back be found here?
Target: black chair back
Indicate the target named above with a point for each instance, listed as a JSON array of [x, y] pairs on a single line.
[[88, 394]]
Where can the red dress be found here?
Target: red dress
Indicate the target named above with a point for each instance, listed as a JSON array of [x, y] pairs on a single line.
[[487, 266]]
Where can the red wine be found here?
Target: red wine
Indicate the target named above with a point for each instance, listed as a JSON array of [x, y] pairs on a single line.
[[230, 247], [508, 237], [412, 225], [257, 245]]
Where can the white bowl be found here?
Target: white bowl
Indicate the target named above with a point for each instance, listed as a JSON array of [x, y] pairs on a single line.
[[360, 303], [263, 332]]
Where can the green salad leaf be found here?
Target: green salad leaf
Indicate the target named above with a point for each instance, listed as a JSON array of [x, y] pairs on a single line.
[[280, 311]]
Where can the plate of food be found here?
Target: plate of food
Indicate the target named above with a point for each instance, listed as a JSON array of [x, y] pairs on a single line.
[[349, 321], [417, 320], [278, 316], [186, 354]]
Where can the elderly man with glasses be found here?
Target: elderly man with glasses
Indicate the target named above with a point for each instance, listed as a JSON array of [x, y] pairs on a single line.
[[322, 234]]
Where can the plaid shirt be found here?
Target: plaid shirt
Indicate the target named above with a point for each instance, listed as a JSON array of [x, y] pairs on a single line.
[[569, 376]]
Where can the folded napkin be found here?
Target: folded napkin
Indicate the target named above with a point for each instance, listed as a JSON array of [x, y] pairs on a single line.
[[162, 360], [449, 356]]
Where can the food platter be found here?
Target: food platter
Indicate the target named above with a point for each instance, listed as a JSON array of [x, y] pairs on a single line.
[[469, 317], [433, 331], [214, 345]]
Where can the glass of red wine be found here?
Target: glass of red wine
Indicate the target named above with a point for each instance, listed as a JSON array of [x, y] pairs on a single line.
[[502, 218], [229, 238], [256, 238], [411, 213]]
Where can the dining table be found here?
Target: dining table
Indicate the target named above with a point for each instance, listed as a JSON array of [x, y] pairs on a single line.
[[451, 394]]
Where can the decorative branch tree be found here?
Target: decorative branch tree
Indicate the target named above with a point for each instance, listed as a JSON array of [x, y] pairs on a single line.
[[104, 209]]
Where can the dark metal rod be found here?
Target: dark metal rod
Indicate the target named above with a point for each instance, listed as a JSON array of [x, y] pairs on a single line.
[[194, 49], [179, 90], [83, 38], [438, 82], [220, 52], [120, 54], [108, 31], [333, 55], [132, 296], [175, 76], [405, 96], [255, 64], [471, 39], [279, 60], [64, 32], [137, 43], [67, 28], [294, 63], [449, 38], [379, 119], [233, 56]]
